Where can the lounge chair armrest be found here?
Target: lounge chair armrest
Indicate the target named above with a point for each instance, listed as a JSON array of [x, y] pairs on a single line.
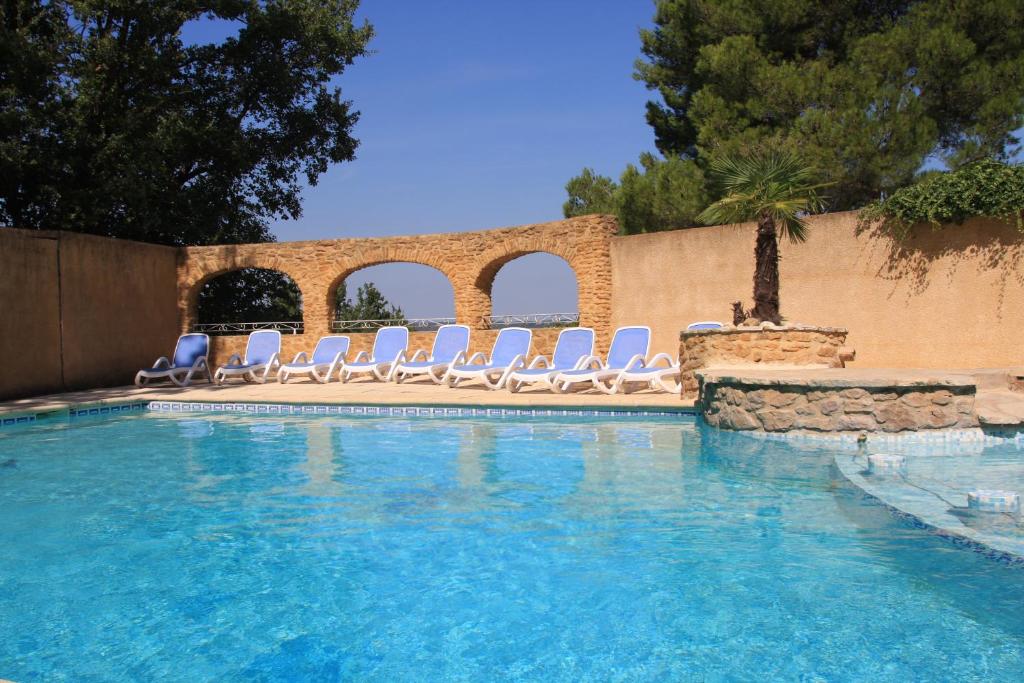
[[274, 360], [590, 361], [581, 362], [235, 359], [162, 361], [459, 359], [539, 362], [669, 360], [199, 363], [419, 354], [478, 356], [518, 362], [636, 361], [301, 356], [361, 357]]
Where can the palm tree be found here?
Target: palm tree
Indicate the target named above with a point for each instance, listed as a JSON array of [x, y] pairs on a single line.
[[775, 190]]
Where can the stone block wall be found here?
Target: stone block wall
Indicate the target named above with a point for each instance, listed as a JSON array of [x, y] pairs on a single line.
[[767, 345], [738, 406], [470, 261]]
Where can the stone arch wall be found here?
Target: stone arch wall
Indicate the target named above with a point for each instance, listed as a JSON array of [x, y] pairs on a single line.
[[469, 260]]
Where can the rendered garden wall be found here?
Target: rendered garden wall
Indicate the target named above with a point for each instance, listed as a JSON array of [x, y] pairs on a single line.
[[80, 311], [952, 298]]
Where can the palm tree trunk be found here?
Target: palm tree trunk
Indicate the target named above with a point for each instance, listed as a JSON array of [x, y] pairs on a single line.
[[766, 272]]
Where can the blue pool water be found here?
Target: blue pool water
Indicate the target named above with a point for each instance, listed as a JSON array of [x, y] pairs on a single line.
[[223, 547]]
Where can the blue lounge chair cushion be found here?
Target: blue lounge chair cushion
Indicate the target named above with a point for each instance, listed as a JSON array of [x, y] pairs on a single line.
[[511, 342], [537, 372], [361, 364], [577, 373], [651, 370], [572, 345], [478, 368], [326, 349], [450, 341], [628, 342], [188, 350], [261, 347], [244, 365], [387, 344], [422, 364]]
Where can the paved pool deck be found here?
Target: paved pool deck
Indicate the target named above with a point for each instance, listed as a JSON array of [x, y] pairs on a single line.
[[352, 393]]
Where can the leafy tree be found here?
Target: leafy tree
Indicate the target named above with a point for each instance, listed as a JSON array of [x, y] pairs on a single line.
[[110, 124], [775, 190], [984, 188], [250, 295], [864, 91], [590, 193], [664, 195], [370, 304], [660, 195]]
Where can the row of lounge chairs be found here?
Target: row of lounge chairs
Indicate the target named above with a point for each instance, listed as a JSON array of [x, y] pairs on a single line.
[[508, 365]]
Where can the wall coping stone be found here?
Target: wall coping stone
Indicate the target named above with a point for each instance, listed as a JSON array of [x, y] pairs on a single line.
[[834, 378], [763, 327]]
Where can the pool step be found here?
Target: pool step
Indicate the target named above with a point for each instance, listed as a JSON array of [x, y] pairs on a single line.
[[1000, 408]]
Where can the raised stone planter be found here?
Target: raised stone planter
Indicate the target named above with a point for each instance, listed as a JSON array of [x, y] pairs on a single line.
[[792, 345], [835, 401]]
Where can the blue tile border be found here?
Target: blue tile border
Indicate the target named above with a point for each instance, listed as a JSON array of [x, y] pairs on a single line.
[[105, 409], [404, 411], [17, 420]]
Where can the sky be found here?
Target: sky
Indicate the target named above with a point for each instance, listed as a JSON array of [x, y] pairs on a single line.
[[473, 115]]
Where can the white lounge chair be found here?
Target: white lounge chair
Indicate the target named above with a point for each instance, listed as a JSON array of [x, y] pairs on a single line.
[[704, 325], [327, 357], [628, 350], [507, 355], [574, 346], [262, 355], [656, 376], [389, 345], [189, 358], [451, 344]]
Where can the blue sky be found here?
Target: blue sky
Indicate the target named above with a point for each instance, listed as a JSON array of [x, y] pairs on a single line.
[[474, 115]]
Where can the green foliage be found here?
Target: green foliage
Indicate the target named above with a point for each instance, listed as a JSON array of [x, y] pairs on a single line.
[[660, 195], [777, 185], [370, 304], [984, 188], [250, 295], [590, 193], [864, 91], [110, 124]]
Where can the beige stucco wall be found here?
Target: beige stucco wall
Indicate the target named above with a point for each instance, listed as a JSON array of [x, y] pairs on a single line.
[[82, 311], [29, 317], [119, 307], [951, 298]]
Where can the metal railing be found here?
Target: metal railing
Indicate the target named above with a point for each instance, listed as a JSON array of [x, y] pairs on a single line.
[[496, 322], [222, 329], [492, 322], [417, 324]]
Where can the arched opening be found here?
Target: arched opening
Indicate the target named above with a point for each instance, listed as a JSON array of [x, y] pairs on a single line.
[[240, 301], [535, 290], [410, 294]]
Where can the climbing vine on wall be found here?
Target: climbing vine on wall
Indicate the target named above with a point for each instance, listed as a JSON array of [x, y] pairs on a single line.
[[984, 188]]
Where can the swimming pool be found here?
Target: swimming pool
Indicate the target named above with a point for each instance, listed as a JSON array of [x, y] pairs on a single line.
[[227, 547]]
